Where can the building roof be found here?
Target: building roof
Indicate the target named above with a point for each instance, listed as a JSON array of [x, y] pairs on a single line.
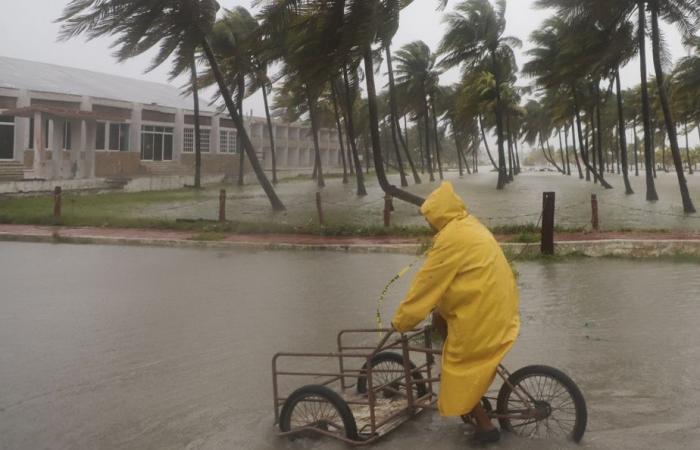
[[37, 76]]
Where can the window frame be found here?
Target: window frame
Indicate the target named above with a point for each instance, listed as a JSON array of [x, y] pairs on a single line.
[[154, 129], [12, 134], [185, 139], [225, 149], [106, 125]]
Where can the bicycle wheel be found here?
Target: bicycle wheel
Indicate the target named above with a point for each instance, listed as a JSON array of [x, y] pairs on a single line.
[[318, 407], [558, 407], [386, 367]]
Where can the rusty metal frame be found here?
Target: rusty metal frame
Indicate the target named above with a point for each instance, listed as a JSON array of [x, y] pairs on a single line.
[[406, 344]]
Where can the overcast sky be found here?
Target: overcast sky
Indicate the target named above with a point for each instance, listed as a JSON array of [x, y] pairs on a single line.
[[29, 33]]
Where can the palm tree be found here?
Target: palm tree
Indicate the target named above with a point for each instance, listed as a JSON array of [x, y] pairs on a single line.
[[395, 126], [685, 14], [556, 63], [474, 38], [233, 42], [686, 91], [416, 77], [139, 26]]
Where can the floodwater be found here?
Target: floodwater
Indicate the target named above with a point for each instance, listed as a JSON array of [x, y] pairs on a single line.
[[147, 348], [519, 203]]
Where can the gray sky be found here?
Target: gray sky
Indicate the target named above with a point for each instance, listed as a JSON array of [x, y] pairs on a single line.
[[29, 33]]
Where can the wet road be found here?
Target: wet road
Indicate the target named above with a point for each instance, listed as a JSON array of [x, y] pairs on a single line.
[[141, 348]]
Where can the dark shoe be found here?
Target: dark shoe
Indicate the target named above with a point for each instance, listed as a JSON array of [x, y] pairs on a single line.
[[486, 437]]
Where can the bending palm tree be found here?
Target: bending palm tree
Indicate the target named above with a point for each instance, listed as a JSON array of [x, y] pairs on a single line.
[[475, 38], [139, 26]]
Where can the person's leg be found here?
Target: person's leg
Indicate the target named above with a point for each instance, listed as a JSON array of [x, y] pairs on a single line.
[[485, 432], [482, 419]]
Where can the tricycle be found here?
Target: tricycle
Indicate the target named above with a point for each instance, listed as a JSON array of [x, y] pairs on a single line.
[[372, 390]]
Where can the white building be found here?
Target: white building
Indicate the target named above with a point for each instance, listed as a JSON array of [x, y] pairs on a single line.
[[64, 123]]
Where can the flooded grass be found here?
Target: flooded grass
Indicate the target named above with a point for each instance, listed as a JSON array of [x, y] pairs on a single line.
[[513, 212]]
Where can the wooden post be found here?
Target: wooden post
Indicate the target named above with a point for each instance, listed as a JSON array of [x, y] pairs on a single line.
[[594, 212], [57, 202], [548, 203], [319, 208], [222, 205], [388, 208]]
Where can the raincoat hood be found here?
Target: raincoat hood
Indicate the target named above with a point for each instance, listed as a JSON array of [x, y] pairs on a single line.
[[442, 206]]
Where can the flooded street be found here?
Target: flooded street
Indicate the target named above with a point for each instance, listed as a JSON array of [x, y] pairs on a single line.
[[145, 348], [519, 203]]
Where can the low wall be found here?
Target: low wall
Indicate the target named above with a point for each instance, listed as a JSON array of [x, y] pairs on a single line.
[[17, 187], [164, 183]]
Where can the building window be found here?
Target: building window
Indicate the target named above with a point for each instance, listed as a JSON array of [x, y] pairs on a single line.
[[188, 140], [156, 143], [227, 141], [30, 145], [112, 136], [119, 137], [7, 137], [67, 136]]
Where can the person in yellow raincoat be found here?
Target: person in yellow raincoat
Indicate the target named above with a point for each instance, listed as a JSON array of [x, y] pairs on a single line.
[[469, 283]]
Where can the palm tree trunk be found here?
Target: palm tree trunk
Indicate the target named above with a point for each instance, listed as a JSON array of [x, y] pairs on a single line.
[[511, 159], [403, 140], [395, 129], [566, 147], [459, 151], [334, 99], [318, 167], [584, 150], [273, 151], [636, 148], [240, 93], [502, 175], [374, 130], [652, 195], [437, 139], [486, 143], [350, 127], [573, 142], [561, 152], [197, 129], [622, 134], [404, 143], [653, 147], [594, 145], [663, 152], [397, 151], [276, 203], [688, 206], [517, 156], [552, 158], [420, 147], [687, 149], [426, 122]]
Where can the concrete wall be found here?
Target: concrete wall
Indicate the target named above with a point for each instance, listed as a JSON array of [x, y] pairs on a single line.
[[118, 164], [226, 164]]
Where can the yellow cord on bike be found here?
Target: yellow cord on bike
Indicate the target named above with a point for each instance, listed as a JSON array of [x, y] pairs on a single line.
[[385, 291]]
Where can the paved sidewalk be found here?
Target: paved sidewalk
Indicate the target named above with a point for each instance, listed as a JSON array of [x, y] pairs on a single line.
[[637, 244]]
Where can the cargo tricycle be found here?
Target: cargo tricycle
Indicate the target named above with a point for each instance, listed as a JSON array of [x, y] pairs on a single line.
[[372, 390]]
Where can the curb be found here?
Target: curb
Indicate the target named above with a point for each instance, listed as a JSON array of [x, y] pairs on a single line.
[[634, 248], [406, 249]]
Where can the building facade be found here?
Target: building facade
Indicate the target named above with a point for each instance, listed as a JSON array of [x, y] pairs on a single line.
[[64, 123]]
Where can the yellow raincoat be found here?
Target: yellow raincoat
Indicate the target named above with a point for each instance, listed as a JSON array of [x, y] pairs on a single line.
[[470, 282]]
